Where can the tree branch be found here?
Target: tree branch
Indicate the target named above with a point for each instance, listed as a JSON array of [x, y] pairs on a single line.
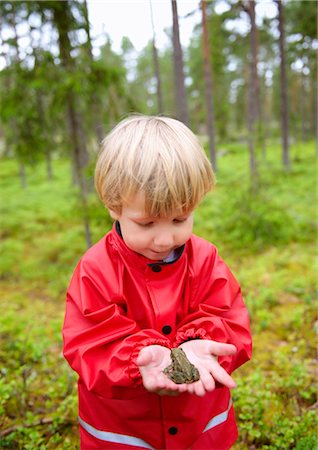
[[7, 431]]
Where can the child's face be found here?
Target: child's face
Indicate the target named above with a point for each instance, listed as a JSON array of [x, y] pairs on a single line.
[[153, 237]]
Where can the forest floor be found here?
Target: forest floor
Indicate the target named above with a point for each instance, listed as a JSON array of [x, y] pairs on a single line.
[[269, 240]]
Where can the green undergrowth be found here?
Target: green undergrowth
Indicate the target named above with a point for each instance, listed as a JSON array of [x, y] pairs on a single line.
[[268, 238]]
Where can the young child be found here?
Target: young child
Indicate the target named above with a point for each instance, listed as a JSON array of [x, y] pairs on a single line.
[[146, 287]]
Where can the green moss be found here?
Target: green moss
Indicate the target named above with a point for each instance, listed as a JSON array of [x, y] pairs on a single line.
[[268, 241]]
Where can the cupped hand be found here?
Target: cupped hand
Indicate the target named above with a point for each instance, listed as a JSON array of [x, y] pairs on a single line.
[[203, 354], [152, 360]]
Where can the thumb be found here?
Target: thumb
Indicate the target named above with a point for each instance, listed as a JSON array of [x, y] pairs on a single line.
[[144, 357]]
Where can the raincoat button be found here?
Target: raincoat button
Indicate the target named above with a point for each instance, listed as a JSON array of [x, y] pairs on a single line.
[[156, 268], [173, 430], [166, 329]]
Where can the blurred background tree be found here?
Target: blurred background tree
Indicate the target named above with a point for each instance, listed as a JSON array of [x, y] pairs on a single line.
[[51, 66], [59, 98]]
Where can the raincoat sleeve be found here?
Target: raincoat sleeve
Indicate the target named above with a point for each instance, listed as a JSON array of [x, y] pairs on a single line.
[[101, 343], [217, 310]]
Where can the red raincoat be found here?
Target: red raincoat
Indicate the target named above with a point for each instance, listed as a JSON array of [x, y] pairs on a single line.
[[118, 302]]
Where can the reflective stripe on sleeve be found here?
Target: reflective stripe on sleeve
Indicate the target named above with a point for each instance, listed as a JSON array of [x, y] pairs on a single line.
[[220, 418], [114, 437]]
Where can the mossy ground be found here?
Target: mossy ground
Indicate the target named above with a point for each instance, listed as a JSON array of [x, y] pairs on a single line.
[[269, 240]]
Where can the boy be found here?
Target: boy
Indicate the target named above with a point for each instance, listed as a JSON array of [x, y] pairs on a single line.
[[148, 286]]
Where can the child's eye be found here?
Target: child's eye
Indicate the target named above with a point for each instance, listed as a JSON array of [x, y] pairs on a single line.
[[146, 224], [179, 220]]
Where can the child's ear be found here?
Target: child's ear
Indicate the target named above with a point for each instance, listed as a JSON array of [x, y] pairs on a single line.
[[113, 214]]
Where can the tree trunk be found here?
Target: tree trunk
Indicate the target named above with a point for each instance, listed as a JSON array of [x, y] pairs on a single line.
[[208, 85], [22, 171], [95, 102], [79, 172], [156, 64], [253, 91], [48, 156], [22, 175], [316, 118], [42, 114], [181, 102], [80, 155], [283, 84], [302, 110]]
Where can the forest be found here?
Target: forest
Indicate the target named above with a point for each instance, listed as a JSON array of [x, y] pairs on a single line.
[[246, 84]]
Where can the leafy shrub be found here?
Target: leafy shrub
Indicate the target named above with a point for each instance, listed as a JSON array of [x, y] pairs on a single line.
[[266, 417], [253, 221]]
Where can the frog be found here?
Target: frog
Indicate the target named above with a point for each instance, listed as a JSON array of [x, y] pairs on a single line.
[[181, 370]]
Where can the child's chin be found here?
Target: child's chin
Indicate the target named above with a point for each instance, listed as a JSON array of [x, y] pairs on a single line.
[[158, 256], [154, 256]]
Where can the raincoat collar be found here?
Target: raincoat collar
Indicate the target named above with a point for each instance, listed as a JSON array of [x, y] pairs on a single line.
[[136, 259]]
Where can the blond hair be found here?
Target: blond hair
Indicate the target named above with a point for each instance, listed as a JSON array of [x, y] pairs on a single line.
[[157, 156]]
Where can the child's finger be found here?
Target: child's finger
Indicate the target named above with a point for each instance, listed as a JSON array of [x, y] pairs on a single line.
[[219, 374], [144, 358], [207, 381], [182, 388], [220, 349], [199, 389], [190, 388]]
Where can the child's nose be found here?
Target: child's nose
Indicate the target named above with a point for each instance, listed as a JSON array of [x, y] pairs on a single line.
[[163, 239]]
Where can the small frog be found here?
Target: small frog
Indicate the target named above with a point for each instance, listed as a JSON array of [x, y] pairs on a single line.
[[181, 370]]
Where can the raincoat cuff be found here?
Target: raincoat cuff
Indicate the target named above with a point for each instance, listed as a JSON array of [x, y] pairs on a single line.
[[189, 335], [134, 372]]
